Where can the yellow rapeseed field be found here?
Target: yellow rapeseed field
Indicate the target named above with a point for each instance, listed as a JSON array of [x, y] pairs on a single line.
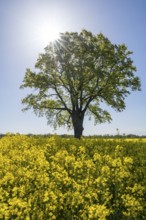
[[67, 179]]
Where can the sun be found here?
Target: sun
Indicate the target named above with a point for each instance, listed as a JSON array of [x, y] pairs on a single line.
[[46, 32], [44, 27]]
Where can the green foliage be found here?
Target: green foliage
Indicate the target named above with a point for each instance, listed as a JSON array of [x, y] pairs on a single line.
[[57, 178], [76, 74]]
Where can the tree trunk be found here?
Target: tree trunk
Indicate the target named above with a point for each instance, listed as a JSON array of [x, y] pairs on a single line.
[[77, 120]]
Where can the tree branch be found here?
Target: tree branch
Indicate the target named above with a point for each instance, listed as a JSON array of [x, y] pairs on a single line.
[[63, 102], [88, 102]]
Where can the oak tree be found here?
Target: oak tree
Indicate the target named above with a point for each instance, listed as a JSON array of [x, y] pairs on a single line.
[[77, 73]]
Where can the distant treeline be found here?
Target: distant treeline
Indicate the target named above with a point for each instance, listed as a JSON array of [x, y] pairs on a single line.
[[88, 136]]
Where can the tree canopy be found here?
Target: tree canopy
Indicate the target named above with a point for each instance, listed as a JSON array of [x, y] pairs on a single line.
[[77, 73]]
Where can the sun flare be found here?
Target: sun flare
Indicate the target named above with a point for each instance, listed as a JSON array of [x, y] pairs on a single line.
[[47, 32]]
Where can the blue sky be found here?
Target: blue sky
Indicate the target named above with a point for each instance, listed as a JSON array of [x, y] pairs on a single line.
[[22, 22]]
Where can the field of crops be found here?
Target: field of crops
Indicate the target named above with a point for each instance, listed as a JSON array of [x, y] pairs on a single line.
[[45, 178]]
